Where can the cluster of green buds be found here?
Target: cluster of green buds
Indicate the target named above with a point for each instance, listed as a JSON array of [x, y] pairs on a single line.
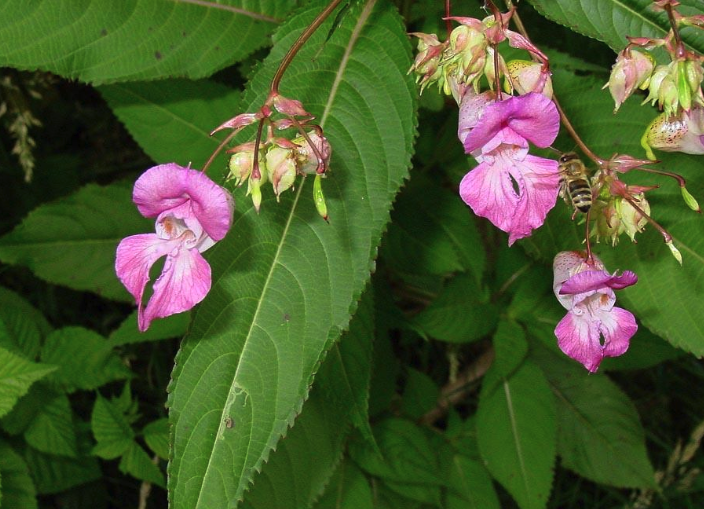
[[279, 160], [470, 54], [676, 87]]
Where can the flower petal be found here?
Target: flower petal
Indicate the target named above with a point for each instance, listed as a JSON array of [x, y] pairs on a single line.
[[184, 282], [135, 257], [168, 186], [591, 280], [618, 327], [578, 338], [488, 190]]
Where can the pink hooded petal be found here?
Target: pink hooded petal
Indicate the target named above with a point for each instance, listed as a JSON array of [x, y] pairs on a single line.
[[618, 327], [532, 116], [184, 282], [489, 190], [592, 280], [167, 186], [471, 110], [578, 338], [135, 257]]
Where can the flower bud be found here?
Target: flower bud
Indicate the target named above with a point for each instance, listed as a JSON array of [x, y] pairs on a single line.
[[307, 156], [281, 168], [426, 64], [526, 77], [319, 197], [632, 70], [240, 164], [676, 133], [632, 221]]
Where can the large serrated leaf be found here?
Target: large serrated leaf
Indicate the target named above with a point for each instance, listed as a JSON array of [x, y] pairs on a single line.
[[611, 21], [516, 432], [285, 282], [72, 241], [16, 376], [105, 41], [599, 435], [171, 119]]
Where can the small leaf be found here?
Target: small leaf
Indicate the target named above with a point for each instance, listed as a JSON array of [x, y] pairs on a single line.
[[348, 489], [84, 358], [103, 41], [112, 431], [516, 431], [173, 326], [137, 463], [156, 435], [54, 474], [470, 486], [52, 430], [16, 376], [420, 393], [17, 487], [462, 313], [23, 327], [599, 434], [72, 241]]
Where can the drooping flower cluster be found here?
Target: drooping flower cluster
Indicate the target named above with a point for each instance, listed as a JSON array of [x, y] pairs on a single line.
[[192, 213], [593, 327], [676, 87], [279, 160], [512, 188]]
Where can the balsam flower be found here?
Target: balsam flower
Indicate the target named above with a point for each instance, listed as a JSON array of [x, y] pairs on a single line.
[[675, 133], [192, 213], [510, 187], [586, 290]]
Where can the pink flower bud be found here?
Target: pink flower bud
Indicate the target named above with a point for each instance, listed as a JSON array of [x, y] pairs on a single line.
[[282, 169], [631, 70], [307, 157], [527, 76], [677, 133]]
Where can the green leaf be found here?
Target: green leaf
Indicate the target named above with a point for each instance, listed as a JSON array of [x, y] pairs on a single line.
[[17, 487], [470, 486], [461, 313], [72, 241], [611, 21], [23, 327], [171, 119], [54, 474], [84, 358], [348, 489], [298, 471], [173, 326], [420, 394], [599, 434], [516, 431], [103, 41], [16, 376], [510, 347], [666, 298], [112, 431], [435, 226], [285, 281], [138, 464], [345, 375], [156, 435], [52, 430]]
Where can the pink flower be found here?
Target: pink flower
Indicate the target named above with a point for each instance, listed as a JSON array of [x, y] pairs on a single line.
[[192, 213], [586, 290], [510, 187]]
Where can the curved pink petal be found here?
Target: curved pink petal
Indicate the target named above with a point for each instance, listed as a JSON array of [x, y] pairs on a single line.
[[184, 282], [471, 110], [591, 280], [489, 192], [134, 258], [618, 327], [168, 186], [578, 338], [532, 116]]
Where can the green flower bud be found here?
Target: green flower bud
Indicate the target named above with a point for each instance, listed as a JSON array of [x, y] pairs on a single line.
[[282, 168]]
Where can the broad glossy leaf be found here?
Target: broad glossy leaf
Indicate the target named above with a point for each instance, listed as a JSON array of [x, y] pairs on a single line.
[[611, 21], [470, 486], [52, 430], [72, 241], [17, 487], [285, 282], [171, 119], [16, 376], [599, 434], [510, 347], [461, 313], [516, 431], [103, 41], [348, 489], [84, 360], [299, 469], [666, 298], [23, 327]]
